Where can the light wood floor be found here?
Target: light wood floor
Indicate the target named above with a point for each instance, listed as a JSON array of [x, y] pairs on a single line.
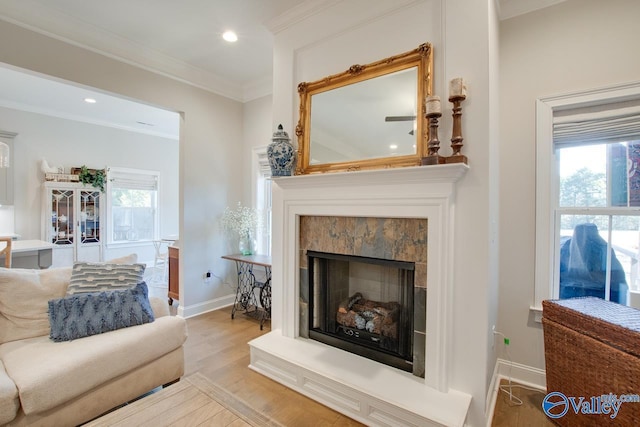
[[529, 414], [217, 348]]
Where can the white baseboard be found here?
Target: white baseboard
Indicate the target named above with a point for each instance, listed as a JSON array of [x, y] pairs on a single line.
[[521, 374], [206, 306]]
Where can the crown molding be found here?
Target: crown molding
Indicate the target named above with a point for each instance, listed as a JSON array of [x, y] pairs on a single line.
[[258, 88], [52, 23], [297, 14], [309, 8], [512, 8]]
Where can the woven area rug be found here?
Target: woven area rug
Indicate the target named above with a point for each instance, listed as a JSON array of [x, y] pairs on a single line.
[[193, 401]]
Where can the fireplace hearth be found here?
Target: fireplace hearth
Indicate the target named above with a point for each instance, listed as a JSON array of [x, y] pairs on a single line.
[[362, 305]]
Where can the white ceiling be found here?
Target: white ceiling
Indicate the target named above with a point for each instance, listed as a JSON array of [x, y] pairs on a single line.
[[25, 91], [179, 39]]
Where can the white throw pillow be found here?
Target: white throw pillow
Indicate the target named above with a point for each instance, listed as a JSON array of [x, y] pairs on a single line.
[[24, 300], [89, 277], [127, 259]]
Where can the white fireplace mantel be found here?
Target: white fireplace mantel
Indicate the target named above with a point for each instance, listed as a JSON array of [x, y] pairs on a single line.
[[448, 174], [365, 390]]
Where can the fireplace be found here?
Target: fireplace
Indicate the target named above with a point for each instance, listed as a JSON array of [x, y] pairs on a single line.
[[385, 214], [362, 305], [385, 260]]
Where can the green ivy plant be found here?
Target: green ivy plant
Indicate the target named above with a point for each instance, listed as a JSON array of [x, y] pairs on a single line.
[[95, 178]]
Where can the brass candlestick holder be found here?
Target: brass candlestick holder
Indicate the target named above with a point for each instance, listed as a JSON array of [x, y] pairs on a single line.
[[433, 145], [456, 134]]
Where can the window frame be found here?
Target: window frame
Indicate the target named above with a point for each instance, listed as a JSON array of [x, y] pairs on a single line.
[[108, 191], [547, 178]]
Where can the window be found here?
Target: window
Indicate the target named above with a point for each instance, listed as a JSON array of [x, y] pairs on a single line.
[[596, 236], [265, 206], [132, 205], [262, 197], [588, 195]]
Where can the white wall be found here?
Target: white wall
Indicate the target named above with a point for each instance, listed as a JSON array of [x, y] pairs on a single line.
[[573, 46], [256, 133], [70, 144], [211, 164], [462, 34]]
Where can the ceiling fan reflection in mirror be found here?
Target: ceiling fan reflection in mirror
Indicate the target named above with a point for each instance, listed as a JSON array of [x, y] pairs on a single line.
[[401, 119]]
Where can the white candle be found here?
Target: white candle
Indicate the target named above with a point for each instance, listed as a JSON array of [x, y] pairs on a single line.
[[457, 88], [432, 104]]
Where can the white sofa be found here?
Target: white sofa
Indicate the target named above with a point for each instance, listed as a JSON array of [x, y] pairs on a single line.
[[48, 383]]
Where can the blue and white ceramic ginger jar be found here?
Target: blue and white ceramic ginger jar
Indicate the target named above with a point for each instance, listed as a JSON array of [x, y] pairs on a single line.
[[281, 153]]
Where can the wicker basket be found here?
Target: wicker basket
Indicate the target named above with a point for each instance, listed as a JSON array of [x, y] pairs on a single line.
[[592, 348]]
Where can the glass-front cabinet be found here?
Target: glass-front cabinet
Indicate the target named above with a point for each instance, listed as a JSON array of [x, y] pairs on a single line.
[[72, 221]]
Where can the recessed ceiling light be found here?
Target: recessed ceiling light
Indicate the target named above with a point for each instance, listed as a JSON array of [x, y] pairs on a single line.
[[90, 100], [393, 146], [230, 36]]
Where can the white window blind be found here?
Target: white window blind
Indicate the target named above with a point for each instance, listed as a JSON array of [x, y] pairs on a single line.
[[132, 180], [611, 123]]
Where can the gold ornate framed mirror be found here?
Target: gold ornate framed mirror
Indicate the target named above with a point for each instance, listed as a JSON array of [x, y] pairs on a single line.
[[367, 117]]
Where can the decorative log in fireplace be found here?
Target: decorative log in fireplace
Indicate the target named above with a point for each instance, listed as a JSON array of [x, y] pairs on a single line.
[[373, 321]]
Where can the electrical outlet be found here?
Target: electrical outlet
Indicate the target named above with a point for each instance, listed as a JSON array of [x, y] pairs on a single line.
[[492, 340], [505, 340], [207, 277]]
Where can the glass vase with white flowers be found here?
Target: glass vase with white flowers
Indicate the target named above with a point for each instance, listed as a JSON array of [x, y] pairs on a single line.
[[245, 222]]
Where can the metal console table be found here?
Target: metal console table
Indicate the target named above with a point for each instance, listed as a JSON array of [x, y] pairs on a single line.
[[248, 283]]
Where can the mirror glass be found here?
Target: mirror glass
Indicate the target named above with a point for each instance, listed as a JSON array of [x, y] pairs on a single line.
[[387, 104], [368, 117]]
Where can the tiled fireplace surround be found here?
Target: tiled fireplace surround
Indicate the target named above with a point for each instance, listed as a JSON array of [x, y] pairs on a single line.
[[365, 390], [395, 239]]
